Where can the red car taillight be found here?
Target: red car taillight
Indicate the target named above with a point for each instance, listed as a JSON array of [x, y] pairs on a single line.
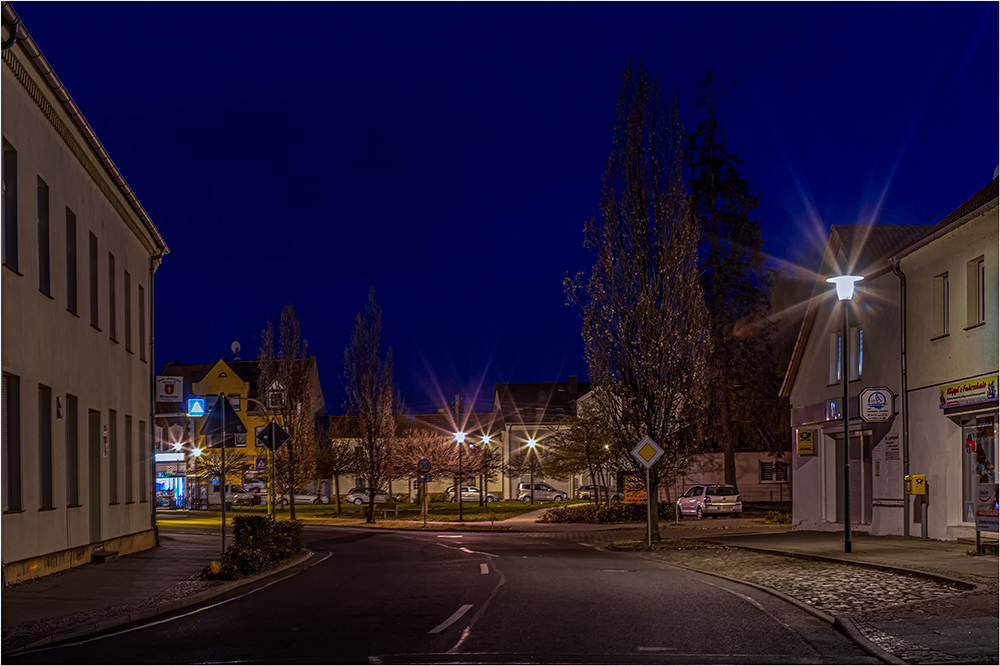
[[739, 499]]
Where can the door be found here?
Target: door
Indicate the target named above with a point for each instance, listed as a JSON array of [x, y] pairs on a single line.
[[94, 449], [861, 478]]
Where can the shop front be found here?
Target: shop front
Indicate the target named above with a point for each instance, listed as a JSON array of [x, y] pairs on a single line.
[[171, 481]]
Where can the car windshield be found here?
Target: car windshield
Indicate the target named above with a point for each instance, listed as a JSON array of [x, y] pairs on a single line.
[[721, 490]]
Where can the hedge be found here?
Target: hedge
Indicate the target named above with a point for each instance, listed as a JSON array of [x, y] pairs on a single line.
[[258, 544], [617, 512]]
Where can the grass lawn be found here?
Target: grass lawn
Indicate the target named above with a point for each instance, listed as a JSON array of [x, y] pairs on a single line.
[[351, 514]]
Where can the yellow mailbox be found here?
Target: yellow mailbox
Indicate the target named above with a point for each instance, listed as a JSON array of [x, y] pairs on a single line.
[[916, 484]]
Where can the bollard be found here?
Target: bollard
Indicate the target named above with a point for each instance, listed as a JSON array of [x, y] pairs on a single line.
[[923, 517]]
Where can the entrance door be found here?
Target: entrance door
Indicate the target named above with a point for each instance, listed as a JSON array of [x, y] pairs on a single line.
[[94, 449], [861, 479]]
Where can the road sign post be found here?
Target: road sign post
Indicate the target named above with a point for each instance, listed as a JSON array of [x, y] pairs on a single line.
[[647, 452], [222, 421], [272, 437], [423, 476]]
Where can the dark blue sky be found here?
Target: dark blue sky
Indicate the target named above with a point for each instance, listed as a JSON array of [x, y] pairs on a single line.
[[449, 154]]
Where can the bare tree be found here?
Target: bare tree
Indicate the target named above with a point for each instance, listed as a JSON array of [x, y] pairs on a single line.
[[287, 385], [337, 455], [582, 446], [371, 396], [644, 318]]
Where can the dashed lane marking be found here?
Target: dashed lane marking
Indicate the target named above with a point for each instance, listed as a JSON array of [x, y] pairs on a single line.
[[484, 568], [455, 617]]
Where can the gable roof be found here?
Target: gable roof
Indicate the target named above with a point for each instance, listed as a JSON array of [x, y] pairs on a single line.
[[536, 402], [869, 250]]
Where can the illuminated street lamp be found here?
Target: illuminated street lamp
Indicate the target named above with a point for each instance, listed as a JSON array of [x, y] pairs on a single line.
[[484, 477], [460, 438], [531, 452], [845, 292], [196, 452]]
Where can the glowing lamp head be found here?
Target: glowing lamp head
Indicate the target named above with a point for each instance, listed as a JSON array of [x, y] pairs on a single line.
[[485, 439], [845, 285], [177, 446], [460, 437], [606, 447], [531, 443], [196, 451]]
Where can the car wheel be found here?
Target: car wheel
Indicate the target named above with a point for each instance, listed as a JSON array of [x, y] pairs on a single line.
[[680, 514], [526, 499], [357, 500], [699, 514], [316, 501]]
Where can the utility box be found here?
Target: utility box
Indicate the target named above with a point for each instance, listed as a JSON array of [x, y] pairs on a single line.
[[915, 484]]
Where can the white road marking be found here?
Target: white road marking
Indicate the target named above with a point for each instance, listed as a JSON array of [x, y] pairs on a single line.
[[450, 536], [484, 568], [588, 545], [455, 617], [374, 660]]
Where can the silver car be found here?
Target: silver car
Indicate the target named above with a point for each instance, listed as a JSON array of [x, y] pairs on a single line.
[[469, 494], [543, 492], [710, 500], [361, 496]]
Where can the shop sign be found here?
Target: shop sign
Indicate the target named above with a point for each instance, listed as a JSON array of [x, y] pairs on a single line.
[[635, 490], [891, 442], [876, 405], [805, 442], [987, 513], [169, 457], [169, 389], [970, 392]]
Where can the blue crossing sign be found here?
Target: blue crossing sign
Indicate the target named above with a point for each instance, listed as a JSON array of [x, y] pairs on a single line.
[[196, 407]]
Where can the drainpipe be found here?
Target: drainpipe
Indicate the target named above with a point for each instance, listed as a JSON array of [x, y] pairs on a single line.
[[154, 261], [905, 396]]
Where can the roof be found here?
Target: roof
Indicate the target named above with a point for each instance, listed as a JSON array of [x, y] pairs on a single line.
[[97, 150], [536, 402], [869, 250], [474, 424]]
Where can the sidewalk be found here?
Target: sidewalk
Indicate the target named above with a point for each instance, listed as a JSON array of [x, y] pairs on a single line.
[[95, 597]]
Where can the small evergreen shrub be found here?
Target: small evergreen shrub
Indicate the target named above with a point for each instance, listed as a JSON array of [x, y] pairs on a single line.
[[779, 517], [616, 512], [258, 544]]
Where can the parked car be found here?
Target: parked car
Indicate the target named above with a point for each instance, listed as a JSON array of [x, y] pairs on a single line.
[[361, 496], [304, 497], [165, 499], [469, 494], [710, 500], [235, 494], [543, 493]]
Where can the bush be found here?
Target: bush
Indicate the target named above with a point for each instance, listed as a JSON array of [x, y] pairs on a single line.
[[258, 544], [617, 512], [779, 517]]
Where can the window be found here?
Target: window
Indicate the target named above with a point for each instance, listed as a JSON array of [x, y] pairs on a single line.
[[112, 313], [142, 324], [978, 460], [128, 312], [11, 443], [143, 463], [857, 357], [44, 285], [275, 399], [772, 471], [70, 261], [112, 457], [44, 447], [9, 207], [835, 363], [129, 470], [93, 282], [234, 400], [941, 306], [72, 453], [976, 292]]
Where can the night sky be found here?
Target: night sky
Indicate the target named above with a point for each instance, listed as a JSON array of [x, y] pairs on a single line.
[[449, 154]]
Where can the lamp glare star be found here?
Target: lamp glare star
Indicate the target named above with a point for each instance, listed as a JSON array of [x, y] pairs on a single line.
[[845, 285]]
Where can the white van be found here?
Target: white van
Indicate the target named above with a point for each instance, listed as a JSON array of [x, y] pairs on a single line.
[[235, 494]]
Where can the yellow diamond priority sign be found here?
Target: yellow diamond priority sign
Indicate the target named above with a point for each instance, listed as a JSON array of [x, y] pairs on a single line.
[[647, 452]]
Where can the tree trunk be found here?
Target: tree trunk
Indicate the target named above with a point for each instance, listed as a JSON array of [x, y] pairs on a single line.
[[654, 509], [336, 488]]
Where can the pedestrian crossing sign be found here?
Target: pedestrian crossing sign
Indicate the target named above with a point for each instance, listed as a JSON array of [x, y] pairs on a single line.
[[196, 407]]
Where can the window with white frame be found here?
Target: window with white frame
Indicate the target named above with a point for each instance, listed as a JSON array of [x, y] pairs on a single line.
[[773, 471], [941, 306], [857, 358], [835, 362], [975, 272]]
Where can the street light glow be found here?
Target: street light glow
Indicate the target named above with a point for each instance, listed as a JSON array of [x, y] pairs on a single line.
[[485, 439], [460, 437], [196, 451], [531, 443], [845, 285]]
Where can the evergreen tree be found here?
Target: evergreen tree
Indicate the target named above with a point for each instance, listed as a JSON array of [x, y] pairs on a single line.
[[731, 259]]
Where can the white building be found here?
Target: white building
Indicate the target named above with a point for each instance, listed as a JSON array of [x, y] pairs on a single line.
[[923, 324], [79, 254]]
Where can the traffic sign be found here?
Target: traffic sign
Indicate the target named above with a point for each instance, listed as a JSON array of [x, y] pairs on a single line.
[[424, 478], [647, 452], [876, 405], [260, 464], [196, 407], [424, 466], [222, 420], [272, 436]]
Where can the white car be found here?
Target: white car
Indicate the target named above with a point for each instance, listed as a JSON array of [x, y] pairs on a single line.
[[543, 492], [469, 494], [361, 496], [304, 497]]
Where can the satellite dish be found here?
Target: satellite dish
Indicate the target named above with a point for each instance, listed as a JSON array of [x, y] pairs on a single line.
[[236, 348]]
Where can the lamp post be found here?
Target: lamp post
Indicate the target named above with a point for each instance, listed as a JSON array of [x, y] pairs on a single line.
[[531, 452], [485, 476], [460, 438], [196, 451], [845, 292]]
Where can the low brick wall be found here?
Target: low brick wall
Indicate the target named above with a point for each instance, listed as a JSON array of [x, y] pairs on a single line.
[[43, 565]]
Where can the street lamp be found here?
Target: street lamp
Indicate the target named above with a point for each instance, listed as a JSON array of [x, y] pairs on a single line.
[[460, 438], [531, 452], [484, 478], [845, 292], [196, 452]]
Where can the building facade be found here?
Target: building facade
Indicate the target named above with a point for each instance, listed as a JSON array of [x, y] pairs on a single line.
[[923, 326], [79, 254]]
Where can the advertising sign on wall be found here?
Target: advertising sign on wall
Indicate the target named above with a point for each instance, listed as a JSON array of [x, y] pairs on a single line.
[[971, 392], [635, 490], [987, 514], [805, 442]]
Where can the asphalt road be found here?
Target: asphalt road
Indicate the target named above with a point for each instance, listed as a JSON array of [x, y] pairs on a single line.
[[370, 597]]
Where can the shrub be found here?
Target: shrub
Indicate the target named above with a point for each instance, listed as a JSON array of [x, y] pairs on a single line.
[[617, 512], [780, 517], [258, 544]]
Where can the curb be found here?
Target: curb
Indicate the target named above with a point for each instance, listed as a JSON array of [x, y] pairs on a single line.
[[843, 624], [89, 628], [903, 571]]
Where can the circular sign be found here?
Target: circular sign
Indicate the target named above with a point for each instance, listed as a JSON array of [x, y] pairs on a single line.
[[424, 466]]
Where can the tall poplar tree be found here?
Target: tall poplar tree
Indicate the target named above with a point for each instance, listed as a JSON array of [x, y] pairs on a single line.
[[731, 259], [644, 318]]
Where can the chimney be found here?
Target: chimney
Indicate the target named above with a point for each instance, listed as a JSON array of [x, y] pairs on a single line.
[[572, 384]]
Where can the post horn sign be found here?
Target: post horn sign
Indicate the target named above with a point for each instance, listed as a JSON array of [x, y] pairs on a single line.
[[877, 405], [805, 442]]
